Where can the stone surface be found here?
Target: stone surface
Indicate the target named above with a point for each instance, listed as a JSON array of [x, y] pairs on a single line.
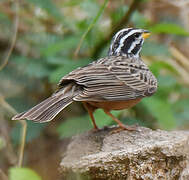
[[143, 154]]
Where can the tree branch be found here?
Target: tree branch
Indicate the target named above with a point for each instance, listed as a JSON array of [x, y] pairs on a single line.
[[9, 108], [16, 24], [3, 176]]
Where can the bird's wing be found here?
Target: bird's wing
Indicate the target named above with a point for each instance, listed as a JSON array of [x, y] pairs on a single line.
[[112, 79]]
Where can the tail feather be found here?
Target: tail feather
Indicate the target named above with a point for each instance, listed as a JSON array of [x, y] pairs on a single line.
[[18, 116], [42, 107], [50, 113], [47, 109]]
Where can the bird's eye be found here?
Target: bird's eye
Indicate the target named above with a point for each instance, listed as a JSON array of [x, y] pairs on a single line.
[[137, 35]]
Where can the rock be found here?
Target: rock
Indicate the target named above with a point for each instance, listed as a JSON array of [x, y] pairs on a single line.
[[143, 154]]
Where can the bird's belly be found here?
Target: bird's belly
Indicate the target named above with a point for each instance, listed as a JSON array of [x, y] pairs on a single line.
[[115, 105]]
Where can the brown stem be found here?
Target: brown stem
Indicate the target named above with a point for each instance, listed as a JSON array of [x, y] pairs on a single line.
[[99, 47], [3, 176], [16, 21], [9, 108], [22, 143]]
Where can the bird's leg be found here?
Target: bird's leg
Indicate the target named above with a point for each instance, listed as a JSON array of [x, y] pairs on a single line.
[[121, 125], [90, 109]]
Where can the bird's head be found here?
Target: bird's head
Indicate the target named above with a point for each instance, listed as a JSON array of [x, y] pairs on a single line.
[[128, 42]]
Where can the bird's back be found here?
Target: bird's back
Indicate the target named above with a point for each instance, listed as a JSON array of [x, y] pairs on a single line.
[[113, 78]]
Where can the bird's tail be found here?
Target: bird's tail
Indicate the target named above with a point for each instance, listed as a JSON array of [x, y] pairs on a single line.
[[47, 109]]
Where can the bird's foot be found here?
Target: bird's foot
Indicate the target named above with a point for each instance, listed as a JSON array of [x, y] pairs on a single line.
[[123, 127], [95, 129]]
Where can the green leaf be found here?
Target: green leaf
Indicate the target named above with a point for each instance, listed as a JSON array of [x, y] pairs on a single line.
[[100, 11], [40, 39], [77, 125], [64, 45], [139, 20], [37, 69], [168, 28], [71, 3], [4, 19], [167, 82], [2, 143], [32, 67], [181, 111], [152, 48], [157, 66], [34, 131], [130, 121], [73, 126], [166, 86], [104, 120], [17, 173], [67, 66], [47, 5], [162, 111], [90, 6], [117, 14]]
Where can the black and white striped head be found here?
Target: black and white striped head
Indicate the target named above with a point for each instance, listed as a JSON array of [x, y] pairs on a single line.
[[128, 42]]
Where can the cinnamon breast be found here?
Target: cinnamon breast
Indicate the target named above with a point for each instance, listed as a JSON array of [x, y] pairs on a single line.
[[115, 105]]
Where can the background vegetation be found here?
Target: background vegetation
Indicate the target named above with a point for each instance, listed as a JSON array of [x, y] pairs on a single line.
[[48, 37]]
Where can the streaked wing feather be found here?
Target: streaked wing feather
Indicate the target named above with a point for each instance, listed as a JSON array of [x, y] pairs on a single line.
[[113, 78]]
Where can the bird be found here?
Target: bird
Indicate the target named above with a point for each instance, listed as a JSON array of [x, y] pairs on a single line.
[[118, 81]]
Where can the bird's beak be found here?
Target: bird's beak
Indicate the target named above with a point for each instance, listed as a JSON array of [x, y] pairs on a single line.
[[145, 34]]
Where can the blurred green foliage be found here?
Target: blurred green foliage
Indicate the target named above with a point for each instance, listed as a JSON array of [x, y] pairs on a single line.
[[34, 132], [23, 174], [49, 33], [169, 28], [50, 54], [81, 124]]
